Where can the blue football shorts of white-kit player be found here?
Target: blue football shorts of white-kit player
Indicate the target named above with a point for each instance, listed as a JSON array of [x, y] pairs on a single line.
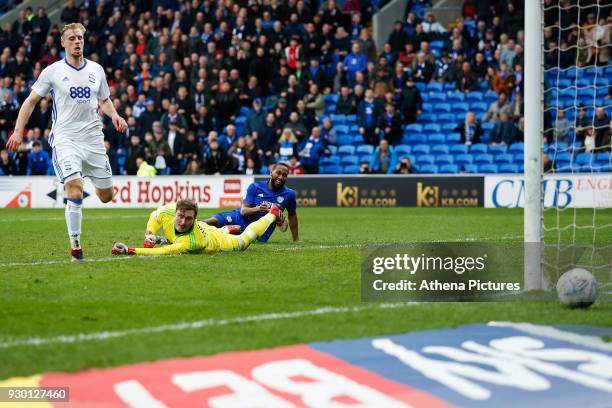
[[76, 134], [258, 193]]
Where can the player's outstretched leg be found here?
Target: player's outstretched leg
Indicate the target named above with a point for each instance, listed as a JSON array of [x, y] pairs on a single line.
[[256, 229], [74, 216]]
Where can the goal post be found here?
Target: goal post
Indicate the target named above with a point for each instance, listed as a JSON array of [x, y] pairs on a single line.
[[534, 103]]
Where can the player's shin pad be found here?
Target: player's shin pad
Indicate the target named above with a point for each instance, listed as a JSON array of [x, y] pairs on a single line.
[[256, 229]]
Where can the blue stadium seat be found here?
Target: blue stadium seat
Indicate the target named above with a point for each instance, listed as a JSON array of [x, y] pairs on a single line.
[[574, 73], [414, 138], [464, 159], [353, 169], [240, 120], [498, 149], [344, 140], [449, 87], [346, 150], [518, 158], [558, 147], [349, 160], [338, 119], [516, 148], [460, 108], [440, 149], [329, 161], [490, 96], [487, 127], [585, 158], [427, 117], [341, 129], [444, 159], [479, 108], [442, 108], [357, 139], [435, 97], [456, 97], [351, 119], [447, 117], [402, 150], [353, 128], [449, 169], [452, 138], [333, 149], [425, 159], [435, 87], [603, 158], [584, 82], [421, 149], [479, 148], [333, 169], [504, 158], [509, 168], [475, 96], [331, 98], [487, 168], [602, 81], [483, 158], [470, 168], [432, 127], [421, 86], [330, 109], [458, 149], [364, 150], [428, 168], [413, 128], [436, 138], [449, 127], [437, 45]]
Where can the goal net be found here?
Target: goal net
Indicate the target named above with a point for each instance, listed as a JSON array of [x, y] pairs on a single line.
[[576, 163]]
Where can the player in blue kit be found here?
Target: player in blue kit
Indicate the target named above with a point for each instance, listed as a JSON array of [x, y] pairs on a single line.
[[259, 197]]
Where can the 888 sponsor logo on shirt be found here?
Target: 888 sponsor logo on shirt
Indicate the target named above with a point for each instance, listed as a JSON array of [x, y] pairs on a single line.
[[81, 93]]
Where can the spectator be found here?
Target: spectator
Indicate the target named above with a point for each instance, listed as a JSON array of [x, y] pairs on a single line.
[[404, 166], [194, 167], [398, 37], [328, 133], [467, 81], [470, 130], [295, 167], [346, 102], [256, 119], [287, 145], [144, 168], [38, 160], [411, 102], [266, 141], [602, 124], [133, 152], [432, 27], [503, 80], [314, 100], [353, 63], [504, 131], [391, 124], [582, 123], [227, 105], [311, 151], [422, 70], [8, 166], [497, 108], [216, 160], [561, 128], [383, 159], [368, 117], [364, 167]]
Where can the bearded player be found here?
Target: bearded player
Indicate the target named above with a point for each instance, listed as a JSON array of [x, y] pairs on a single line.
[[78, 88], [259, 198], [183, 233]]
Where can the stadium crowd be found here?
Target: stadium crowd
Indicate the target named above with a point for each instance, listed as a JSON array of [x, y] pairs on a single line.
[[230, 87]]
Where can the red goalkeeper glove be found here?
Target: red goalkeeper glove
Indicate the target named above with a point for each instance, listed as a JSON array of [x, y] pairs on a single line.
[[122, 249]]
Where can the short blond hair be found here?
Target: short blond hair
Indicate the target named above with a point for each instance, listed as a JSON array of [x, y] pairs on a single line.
[[73, 26]]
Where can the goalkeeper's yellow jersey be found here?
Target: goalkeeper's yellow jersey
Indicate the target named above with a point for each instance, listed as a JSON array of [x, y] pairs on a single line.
[[202, 238]]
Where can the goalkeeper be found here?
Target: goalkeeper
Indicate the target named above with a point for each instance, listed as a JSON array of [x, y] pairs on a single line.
[[183, 233]]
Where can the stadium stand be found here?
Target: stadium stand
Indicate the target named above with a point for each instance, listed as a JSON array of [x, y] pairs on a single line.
[[262, 67]]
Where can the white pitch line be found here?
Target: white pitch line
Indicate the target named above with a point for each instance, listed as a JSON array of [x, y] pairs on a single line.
[[56, 218], [105, 335], [557, 334]]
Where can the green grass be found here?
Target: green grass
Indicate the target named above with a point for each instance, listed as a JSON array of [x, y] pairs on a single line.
[[55, 297]]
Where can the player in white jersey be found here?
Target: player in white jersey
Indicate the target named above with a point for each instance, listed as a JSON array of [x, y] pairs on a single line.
[[78, 88]]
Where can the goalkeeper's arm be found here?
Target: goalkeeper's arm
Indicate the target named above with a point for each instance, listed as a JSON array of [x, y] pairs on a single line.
[[153, 225], [176, 248]]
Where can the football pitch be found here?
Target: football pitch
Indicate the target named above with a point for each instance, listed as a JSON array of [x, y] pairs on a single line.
[[60, 316]]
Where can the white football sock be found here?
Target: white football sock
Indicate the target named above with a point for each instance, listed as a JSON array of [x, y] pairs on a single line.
[[74, 216]]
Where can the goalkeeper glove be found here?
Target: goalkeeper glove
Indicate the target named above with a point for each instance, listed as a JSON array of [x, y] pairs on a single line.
[[151, 240], [122, 249]]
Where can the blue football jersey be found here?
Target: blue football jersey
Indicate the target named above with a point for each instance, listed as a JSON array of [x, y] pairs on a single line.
[[258, 193]]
